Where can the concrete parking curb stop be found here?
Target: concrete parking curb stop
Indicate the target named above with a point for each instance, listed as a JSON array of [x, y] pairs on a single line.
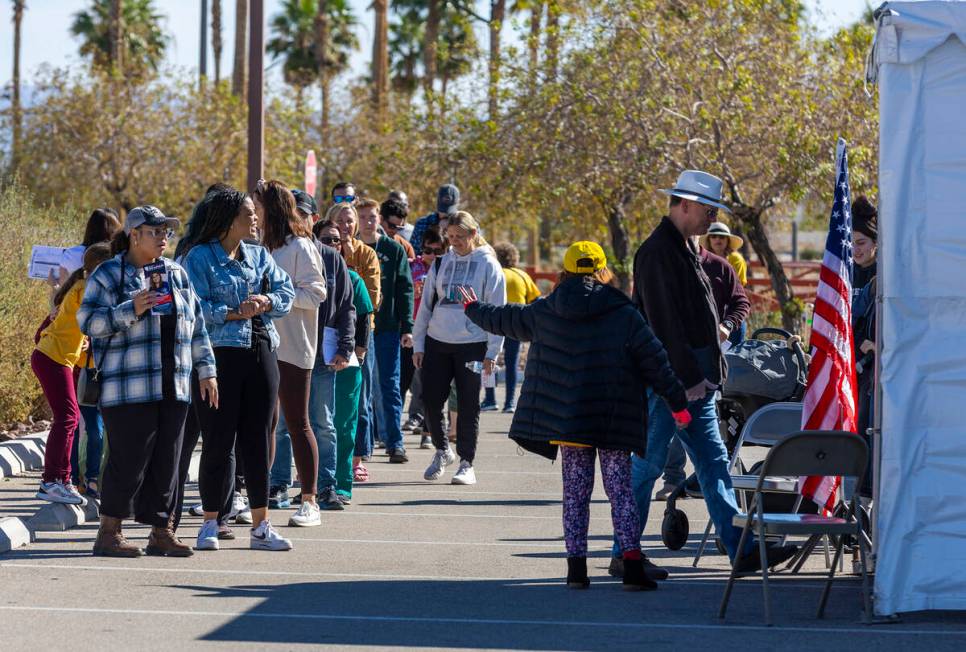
[[13, 534], [23, 454], [57, 517]]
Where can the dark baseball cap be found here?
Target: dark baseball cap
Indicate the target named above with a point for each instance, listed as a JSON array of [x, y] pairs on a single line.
[[148, 216], [305, 202], [447, 199]]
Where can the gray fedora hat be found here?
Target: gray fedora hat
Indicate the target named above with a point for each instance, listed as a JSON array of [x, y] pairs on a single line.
[[698, 186]]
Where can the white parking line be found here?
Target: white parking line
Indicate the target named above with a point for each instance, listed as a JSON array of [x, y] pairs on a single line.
[[490, 621]]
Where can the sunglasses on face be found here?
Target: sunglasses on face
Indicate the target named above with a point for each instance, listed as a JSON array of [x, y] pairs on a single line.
[[344, 199], [330, 240], [433, 251], [393, 226]]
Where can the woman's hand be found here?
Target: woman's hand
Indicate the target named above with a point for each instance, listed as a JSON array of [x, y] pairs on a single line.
[[418, 360], [468, 295], [144, 301], [489, 364], [209, 391], [264, 303], [85, 344], [406, 341]]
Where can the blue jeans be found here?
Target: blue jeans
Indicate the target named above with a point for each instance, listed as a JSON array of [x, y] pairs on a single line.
[[511, 359], [94, 427], [738, 335], [322, 420], [710, 459], [365, 431], [385, 392]]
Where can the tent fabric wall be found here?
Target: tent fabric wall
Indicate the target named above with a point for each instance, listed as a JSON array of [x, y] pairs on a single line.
[[920, 61]]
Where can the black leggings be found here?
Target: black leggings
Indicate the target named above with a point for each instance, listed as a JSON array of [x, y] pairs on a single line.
[[247, 394], [144, 446], [442, 364]]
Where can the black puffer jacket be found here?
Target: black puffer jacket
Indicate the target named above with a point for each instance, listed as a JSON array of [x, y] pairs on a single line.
[[591, 359]]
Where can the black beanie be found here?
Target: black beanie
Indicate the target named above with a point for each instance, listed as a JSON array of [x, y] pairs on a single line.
[[865, 217]]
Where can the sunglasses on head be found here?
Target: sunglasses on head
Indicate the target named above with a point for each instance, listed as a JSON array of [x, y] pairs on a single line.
[[330, 240], [433, 251], [344, 199]]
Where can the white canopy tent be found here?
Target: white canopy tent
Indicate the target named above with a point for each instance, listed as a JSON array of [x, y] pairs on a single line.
[[919, 61]]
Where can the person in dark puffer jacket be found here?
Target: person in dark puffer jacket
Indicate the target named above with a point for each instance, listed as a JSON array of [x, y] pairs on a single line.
[[592, 357]]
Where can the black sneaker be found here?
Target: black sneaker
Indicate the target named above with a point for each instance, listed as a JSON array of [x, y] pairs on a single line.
[[426, 443], [278, 498], [413, 424], [345, 500], [577, 573], [328, 499], [652, 570], [398, 456], [751, 563]]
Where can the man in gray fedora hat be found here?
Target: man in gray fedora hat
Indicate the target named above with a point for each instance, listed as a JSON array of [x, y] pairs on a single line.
[[675, 296]]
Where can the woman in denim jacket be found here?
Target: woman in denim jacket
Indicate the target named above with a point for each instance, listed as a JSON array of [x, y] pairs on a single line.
[[145, 361], [242, 290]]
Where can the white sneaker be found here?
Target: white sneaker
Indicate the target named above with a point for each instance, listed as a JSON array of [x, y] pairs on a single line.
[[208, 536], [196, 510], [264, 537], [465, 474], [241, 510], [441, 460], [58, 492], [307, 515]]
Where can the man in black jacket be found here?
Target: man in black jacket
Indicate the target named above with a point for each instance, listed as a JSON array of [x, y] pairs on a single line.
[[337, 317], [676, 297]]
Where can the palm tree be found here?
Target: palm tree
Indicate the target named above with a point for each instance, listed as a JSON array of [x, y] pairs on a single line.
[[293, 40], [216, 44], [380, 57], [18, 9], [336, 41], [241, 48], [457, 47], [497, 16], [433, 17], [115, 34], [406, 39]]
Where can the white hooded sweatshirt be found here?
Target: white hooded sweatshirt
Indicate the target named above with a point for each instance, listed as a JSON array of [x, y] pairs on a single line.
[[446, 322]]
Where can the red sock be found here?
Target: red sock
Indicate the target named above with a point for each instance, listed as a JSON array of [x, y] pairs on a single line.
[[632, 554]]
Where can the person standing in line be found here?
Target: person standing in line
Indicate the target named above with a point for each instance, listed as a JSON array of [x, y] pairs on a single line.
[[720, 242], [290, 241], [450, 347], [411, 380], [343, 192], [242, 291], [588, 341], [676, 298], [144, 405], [406, 229], [520, 289], [733, 306], [392, 219], [393, 329], [59, 348], [364, 261], [348, 381], [447, 204], [337, 323]]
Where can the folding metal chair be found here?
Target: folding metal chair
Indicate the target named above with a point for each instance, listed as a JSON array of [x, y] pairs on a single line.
[[816, 452], [766, 427]]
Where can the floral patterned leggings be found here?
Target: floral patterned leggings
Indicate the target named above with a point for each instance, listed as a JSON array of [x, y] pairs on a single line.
[[578, 485]]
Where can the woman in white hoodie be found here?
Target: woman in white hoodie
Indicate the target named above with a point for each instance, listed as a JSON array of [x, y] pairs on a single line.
[[448, 346], [288, 238]]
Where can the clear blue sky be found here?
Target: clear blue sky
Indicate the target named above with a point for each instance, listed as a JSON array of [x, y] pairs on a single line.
[[46, 38]]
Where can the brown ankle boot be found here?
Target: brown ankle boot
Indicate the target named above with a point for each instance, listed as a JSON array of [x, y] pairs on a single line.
[[163, 543], [111, 543]]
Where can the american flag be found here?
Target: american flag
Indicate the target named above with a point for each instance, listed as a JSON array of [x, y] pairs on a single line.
[[831, 397]]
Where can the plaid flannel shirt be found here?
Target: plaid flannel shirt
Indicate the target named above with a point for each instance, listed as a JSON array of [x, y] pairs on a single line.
[[130, 361]]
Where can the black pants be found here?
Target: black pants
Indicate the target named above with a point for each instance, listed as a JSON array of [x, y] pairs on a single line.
[[442, 364], [247, 394], [409, 381], [144, 446]]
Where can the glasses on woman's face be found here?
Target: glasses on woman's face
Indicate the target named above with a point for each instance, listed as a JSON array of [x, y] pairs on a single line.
[[433, 251], [158, 233], [344, 199], [330, 240]]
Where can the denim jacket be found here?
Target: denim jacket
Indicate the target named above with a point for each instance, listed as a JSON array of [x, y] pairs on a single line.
[[127, 348], [223, 283]]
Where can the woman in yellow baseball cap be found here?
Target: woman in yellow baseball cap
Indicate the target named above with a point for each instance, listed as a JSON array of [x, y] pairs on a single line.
[[592, 357]]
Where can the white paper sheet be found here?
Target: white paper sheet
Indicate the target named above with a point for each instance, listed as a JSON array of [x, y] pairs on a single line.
[[43, 259]]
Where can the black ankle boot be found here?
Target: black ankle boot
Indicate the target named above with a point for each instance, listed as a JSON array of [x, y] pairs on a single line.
[[635, 579], [577, 573]]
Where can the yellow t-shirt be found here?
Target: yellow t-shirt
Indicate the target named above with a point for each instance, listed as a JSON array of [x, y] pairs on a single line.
[[741, 267], [62, 340], [520, 288]]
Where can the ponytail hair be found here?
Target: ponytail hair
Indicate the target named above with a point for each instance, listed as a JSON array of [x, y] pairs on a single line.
[[93, 256], [468, 223], [120, 243]]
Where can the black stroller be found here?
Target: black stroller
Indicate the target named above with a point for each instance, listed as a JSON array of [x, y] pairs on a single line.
[[760, 372]]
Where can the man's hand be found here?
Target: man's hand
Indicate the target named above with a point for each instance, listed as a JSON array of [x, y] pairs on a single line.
[[361, 353], [418, 360], [489, 364], [209, 391], [723, 333], [866, 346], [339, 362], [406, 341], [700, 390]]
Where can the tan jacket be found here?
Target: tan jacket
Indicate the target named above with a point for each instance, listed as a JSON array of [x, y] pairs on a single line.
[[363, 260]]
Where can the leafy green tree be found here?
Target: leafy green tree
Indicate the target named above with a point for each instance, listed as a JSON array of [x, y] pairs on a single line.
[[293, 40], [143, 41]]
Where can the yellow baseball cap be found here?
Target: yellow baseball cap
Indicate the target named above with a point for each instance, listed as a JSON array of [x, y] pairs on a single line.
[[584, 257]]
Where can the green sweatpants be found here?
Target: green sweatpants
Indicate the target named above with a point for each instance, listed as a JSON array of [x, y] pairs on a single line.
[[348, 384]]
